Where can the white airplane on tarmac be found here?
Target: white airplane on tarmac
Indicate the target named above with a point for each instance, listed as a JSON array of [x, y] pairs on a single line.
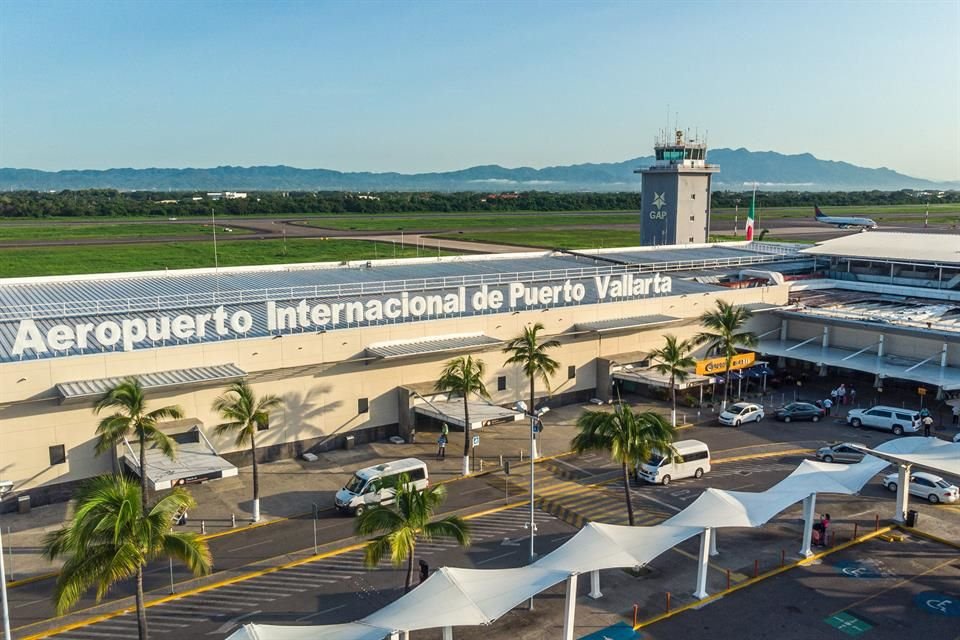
[[844, 223]]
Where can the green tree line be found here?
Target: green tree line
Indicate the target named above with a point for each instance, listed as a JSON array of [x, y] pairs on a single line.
[[113, 203]]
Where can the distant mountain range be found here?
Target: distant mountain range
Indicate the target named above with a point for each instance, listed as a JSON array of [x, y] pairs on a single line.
[[738, 168]]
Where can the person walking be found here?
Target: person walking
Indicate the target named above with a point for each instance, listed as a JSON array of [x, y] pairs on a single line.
[[927, 423], [834, 394], [842, 394], [442, 447], [852, 394], [828, 405], [956, 414], [445, 429], [824, 523]]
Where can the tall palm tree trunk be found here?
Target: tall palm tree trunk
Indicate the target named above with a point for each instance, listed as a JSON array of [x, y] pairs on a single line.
[[626, 493], [409, 583], [533, 437], [141, 610], [673, 398], [256, 480], [467, 437], [726, 382], [143, 476]]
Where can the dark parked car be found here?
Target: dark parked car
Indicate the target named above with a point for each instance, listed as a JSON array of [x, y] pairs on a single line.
[[799, 411]]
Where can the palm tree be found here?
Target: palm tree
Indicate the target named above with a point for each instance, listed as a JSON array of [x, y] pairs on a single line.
[[527, 351], [110, 537], [403, 522], [674, 359], [464, 376], [724, 335], [132, 419], [245, 413], [629, 437]]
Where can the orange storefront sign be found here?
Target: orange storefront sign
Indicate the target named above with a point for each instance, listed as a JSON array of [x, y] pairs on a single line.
[[713, 366]]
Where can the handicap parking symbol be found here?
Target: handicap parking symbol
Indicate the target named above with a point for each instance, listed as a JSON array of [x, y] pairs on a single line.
[[858, 569], [938, 603]]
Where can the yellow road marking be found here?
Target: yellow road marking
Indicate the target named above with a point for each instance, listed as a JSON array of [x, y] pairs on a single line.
[[758, 456], [763, 576]]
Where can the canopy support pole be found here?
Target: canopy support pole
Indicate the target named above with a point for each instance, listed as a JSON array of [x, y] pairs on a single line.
[[713, 543], [570, 607], [448, 633], [809, 508], [703, 565], [595, 584], [903, 477]]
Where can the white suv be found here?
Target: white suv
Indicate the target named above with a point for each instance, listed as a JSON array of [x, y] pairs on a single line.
[[895, 419], [739, 413]]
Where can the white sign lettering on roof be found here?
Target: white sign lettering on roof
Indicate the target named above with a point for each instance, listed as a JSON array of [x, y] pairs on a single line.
[[36, 337]]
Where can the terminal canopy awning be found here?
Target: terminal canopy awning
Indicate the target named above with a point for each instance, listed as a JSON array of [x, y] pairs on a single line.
[[195, 461], [624, 324], [654, 378], [86, 389], [481, 414], [888, 366], [425, 346]]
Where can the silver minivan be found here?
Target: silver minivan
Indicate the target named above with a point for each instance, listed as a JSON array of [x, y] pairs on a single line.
[[895, 419]]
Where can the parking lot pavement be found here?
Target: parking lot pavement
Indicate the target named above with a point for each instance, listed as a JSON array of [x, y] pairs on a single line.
[[333, 589], [881, 590]]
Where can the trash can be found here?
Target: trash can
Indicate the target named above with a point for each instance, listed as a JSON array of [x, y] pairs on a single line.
[[23, 504], [912, 518], [348, 442]]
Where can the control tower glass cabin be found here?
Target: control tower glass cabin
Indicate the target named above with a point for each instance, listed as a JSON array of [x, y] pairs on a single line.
[[675, 193]]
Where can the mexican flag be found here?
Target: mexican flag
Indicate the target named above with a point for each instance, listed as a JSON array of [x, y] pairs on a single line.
[[751, 215]]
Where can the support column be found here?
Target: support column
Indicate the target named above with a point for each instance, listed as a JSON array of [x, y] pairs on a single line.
[[903, 495], [825, 342], [880, 347], [703, 565], [943, 356], [713, 543], [595, 585], [448, 633], [784, 329], [809, 511], [570, 607]]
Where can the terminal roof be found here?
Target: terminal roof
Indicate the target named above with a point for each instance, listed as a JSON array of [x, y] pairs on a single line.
[[939, 248]]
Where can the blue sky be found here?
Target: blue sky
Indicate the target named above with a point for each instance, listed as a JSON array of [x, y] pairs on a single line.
[[430, 86]]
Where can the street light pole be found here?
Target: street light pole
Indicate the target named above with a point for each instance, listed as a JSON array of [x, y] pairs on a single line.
[[533, 525], [4, 488]]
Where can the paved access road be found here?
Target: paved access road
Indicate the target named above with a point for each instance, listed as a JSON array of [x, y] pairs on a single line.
[[339, 588]]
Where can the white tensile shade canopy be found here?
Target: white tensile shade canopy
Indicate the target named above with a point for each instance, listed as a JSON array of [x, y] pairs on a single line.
[[610, 546], [455, 597], [930, 453], [349, 631]]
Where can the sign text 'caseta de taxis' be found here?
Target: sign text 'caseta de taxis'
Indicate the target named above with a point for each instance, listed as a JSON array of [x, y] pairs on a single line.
[[129, 332]]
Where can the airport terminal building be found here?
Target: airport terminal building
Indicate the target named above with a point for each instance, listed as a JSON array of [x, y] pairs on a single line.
[[353, 349]]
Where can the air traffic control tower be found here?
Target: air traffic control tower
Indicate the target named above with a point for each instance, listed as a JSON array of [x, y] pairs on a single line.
[[675, 193]]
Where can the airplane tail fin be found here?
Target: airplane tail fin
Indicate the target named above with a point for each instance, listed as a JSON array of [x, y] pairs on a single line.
[[817, 213]]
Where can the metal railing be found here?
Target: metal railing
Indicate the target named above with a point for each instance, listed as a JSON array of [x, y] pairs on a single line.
[[161, 303]]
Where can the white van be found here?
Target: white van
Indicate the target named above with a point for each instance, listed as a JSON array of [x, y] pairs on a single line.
[[376, 485], [692, 460]]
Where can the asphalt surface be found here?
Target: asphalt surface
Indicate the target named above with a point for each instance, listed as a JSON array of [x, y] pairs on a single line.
[[571, 491], [883, 590]]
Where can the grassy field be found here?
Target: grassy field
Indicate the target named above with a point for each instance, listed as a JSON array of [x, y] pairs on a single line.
[[890, 213], [550, 239], [42, 261], [472, 221], [57, 231]]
